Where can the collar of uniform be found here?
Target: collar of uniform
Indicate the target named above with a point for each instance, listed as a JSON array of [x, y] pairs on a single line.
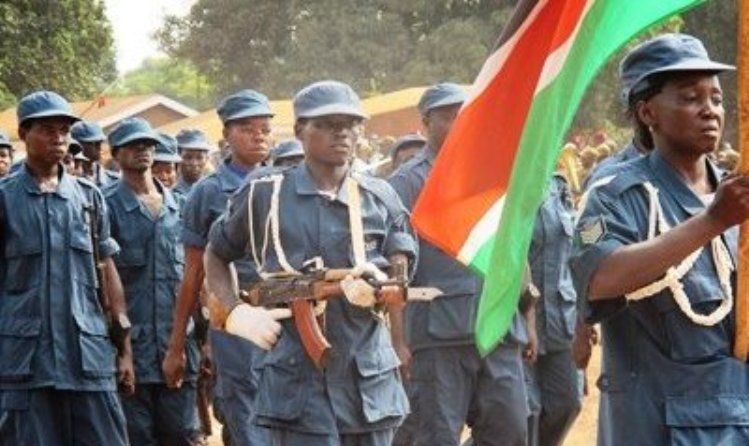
[[305, 185], [64, 188], [131, 202], [675, 186], [228, 178]]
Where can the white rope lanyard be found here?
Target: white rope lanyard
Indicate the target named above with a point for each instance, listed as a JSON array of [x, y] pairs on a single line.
[[272, 228], [672, 279]]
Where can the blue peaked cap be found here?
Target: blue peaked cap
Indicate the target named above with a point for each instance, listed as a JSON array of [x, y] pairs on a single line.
[[44, 104], [243, 104]]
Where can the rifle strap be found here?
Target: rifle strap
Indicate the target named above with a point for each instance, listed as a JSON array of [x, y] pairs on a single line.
[[355, 221]]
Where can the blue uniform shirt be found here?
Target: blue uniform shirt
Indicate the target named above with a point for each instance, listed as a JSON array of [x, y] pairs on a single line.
[[663, 376], [610, 165], [548, 257], [150, 264], [52, 329], [183, 187], [360, 389], [450, 318]]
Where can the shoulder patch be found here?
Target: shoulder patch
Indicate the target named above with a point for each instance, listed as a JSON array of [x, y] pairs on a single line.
[[593, 231]]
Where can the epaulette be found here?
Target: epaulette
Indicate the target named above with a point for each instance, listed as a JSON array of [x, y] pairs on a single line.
[[628, 176], [380, 188]]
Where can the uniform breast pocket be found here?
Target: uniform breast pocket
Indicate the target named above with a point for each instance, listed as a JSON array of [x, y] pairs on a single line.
[[380, 385], [23, 264], [18, 343], [131, 262], [82, 252]]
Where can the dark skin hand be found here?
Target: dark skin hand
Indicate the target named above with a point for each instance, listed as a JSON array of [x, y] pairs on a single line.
[[118, 305], [173, 365]]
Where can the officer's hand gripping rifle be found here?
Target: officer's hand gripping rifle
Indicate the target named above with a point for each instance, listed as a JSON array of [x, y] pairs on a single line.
[[301, 293]]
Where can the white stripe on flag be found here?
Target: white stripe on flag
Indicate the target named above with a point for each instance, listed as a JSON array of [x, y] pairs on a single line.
[[485, 229]]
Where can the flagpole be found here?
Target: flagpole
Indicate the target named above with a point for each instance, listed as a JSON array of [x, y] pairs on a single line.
[[741, 342]]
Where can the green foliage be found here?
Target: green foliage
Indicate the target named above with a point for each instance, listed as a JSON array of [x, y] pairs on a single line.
[[61, 45], [176, 79], [277, 46]]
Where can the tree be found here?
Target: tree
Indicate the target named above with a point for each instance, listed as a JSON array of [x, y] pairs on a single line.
[[62, 45], [177, 79]]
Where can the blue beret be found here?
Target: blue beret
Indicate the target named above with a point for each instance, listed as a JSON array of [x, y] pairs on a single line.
[[407, 140], [44, 104], [130, 130], [243, 104], [193, 139], [166, 149], [4, 140], [85, 131], [441, 95], [287, 149], [326, 98], [666, 53]]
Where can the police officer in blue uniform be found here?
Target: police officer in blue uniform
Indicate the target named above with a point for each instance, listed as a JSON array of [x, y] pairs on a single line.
[[6, 154], [405, 148], [655, 253], [357, 399], [449, 382], [57, 373], [553, 381], [193, 148], [145, 222], [287, 153], [166, 161], [91, 137], [247, 129]]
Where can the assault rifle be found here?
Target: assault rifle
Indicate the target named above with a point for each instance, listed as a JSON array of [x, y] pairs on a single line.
[[119, 327], [301, 292]]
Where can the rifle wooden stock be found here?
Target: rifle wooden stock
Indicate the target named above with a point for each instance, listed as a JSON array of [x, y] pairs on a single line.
[[301, 293]]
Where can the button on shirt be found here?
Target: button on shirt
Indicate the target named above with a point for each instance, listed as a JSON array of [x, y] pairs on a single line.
[[150, 264], [360, 389], [52, 329]]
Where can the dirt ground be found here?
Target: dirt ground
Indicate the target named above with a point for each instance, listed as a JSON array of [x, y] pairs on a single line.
[[583, 433]]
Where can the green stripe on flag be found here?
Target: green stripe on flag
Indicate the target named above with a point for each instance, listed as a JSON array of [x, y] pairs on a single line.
[[607, 27]]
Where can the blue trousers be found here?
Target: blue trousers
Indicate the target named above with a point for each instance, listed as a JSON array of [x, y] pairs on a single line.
[[50, 417], [554, 396], [279, 437], [159, 416], [452, 386]]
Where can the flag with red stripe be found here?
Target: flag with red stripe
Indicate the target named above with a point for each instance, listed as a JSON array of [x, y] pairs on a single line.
[[480, 200]]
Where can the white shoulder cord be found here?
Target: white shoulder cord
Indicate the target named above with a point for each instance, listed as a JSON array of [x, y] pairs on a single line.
[[272, 228], [672, 279]]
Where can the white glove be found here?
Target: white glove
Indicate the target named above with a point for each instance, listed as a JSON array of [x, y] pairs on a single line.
[[256, 324], [369, 269], [358, 292]]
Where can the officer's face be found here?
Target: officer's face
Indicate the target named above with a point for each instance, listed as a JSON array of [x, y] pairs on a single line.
[[92, 150], [136, 156], [193, 164], [46, 139], [438, 122], [329, 139], [165, 172], [6, 158], [687, 115], [405, 154], [249, 139]]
